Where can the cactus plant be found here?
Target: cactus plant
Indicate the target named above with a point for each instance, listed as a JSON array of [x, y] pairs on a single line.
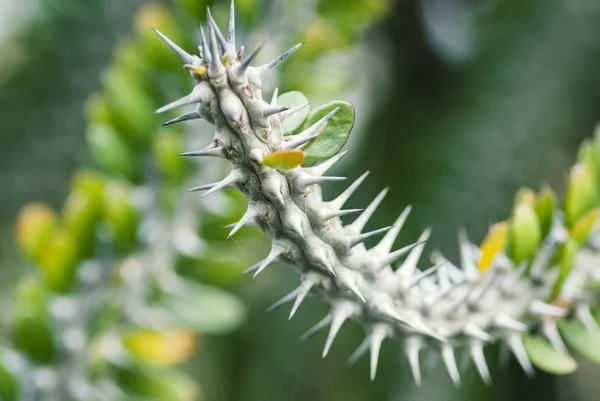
[[515, 285]]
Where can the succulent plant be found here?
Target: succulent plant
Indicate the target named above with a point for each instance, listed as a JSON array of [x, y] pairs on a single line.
[[530, 276]]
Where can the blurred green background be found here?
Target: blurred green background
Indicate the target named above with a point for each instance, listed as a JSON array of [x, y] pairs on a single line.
[[459, 102]]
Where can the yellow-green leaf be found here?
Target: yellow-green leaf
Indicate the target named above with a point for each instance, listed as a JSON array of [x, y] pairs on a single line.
[[285, 159], [525, 232], [164, 347], [493, 243], [582, 228], [544, 208], [581, 340], [582, 195], [545, 357], [33, 227]]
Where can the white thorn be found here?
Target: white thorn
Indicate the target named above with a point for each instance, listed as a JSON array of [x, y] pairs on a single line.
[[274, 97], [583, 314], [322, 168], [308, 179], [215, 151], [185, 117], [360, 351], [338, 317], [541, 308], [551, 332], [397, 254], [231, 30], [251, 214], [472, 330], [417, 279], [194, 97], [215, 67], [273, 254], [204, 44], [359, 239], [339, 202], [292, 111], [203, 187], [507, 322], [478, 357], [293, 221], [412, 349], [408, 267], [233, 178], [215, 27], [358, 224], [385, 245], [288, 298], [310, 133], [330, 214], [467, 260], [450, 362], [320, 256], [515, 342], [350, 284], [303, 291], [185, 56], [379, 334], [316, 328], [271, 110], [273, 63]]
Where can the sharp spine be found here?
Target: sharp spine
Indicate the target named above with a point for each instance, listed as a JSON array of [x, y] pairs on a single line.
[[507, 322], [308, 180], [286, 299], [274, 97], [185, 117], [276, 61], [379, 334], [515, 342], [409, 266], [215, 151], [541, 308], [359, 239], [185, 56], [292, 111], [450, 362], [385, 245], [231, 28], [271, 110], [417, 279], [322, 168], [362, 348], [339, 202], [476, 350], [250, 214], [394, 256], [316, 328], [303, 291], [551, 332], [330, 214], [472, 330], [412, 349], [233, 178], [273, 254], [215, 27], [338, 317]]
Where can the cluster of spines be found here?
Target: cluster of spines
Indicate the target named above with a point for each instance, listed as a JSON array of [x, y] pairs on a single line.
[[445, 305]]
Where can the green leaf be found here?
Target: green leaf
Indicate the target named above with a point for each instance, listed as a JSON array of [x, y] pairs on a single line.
[[204, 309], [586, 343], [592, 286], [156, 384], [293, 99], [545, 357], [335, 134], [568, 251]]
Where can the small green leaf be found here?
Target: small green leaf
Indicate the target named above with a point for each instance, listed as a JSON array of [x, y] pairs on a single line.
[[544, 208], [582, 194], [586, 343], [335, 134], [293, 99], [204, 309], [525, 232], [545, 357]]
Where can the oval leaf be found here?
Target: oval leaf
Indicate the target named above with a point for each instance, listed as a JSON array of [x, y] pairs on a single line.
[[293, 99], [335, 135], [203, 309], [285, 159], [545, 357], [586, 343]]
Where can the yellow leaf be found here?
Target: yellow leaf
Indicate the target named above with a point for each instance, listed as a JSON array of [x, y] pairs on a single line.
[[285, 159], [583, 226], [168, 347], [492, 244]]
